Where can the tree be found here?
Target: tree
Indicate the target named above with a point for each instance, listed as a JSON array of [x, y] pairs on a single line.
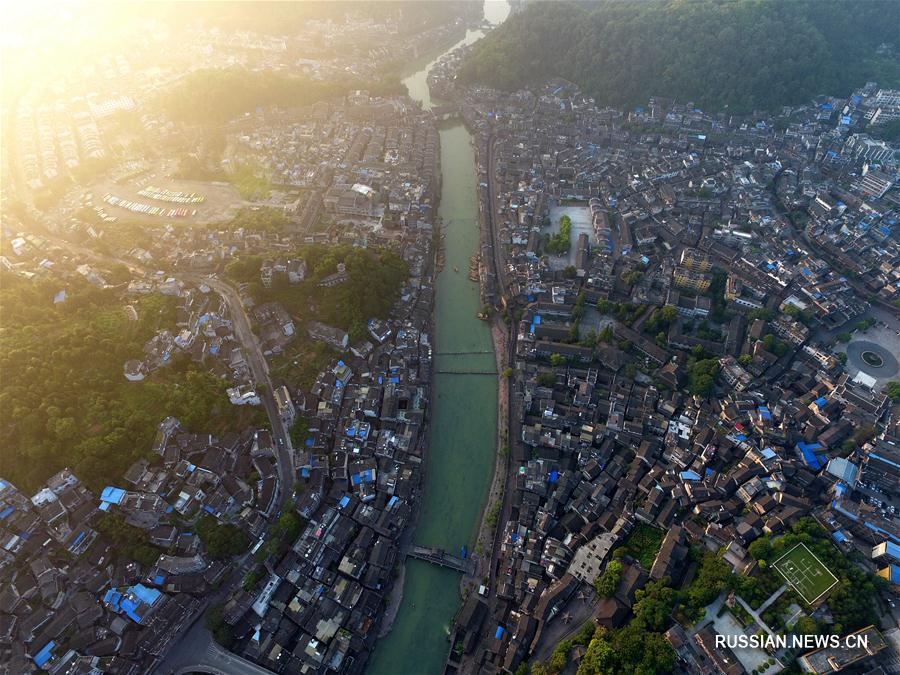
[[507, 372], [299, 431], [745, 359], [590, 340], [287, 527], [621, 54], [760, 549], [129, 542], [559, 243], [221, 631], [806, 626], [702, 376], [607, 584], [222, 541], [557, 359], [654, 604], [546, 379], [607, 334], [632, 277], [892, 389], [599, 657]]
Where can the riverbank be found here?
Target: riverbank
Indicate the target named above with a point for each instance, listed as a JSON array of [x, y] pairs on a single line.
[[460, 457], [394, 600], [491, 511]]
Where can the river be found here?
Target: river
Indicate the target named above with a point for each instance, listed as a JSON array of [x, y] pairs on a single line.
[[463, 434]]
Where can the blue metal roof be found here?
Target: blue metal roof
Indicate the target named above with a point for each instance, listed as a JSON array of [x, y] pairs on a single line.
[[43, 656], [112, 495], [893, 550], [814, 461]]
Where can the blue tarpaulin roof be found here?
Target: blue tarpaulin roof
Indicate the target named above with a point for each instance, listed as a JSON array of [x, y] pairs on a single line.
[[883, 459], [895, 574], [138, 595], [113, 495], [46, 653], [499, 632], [893, 550], [814, 461]]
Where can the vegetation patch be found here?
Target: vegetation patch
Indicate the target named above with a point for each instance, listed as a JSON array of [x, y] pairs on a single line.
[[64, 400], [560, 242], [624, 53], [643, 544], [374, 279]]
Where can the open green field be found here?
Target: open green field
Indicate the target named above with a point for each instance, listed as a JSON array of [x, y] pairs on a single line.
[[805, 573]]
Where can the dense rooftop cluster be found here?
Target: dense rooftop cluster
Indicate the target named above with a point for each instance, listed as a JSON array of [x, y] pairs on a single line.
[[691, 360]]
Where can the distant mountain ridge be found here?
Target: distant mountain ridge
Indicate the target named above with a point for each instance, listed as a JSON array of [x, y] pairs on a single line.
[[739, 54]]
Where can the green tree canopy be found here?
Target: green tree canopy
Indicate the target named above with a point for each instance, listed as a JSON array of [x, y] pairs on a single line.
[[743, 54]]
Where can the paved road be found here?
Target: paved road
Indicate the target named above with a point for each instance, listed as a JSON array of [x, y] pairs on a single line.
[[496, 245], [198, 652], [259, 369]]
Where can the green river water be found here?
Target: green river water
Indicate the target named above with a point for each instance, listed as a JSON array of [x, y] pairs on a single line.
[[463, 432]]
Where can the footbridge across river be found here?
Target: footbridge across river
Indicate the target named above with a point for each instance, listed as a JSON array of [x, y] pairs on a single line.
[[437, 556]]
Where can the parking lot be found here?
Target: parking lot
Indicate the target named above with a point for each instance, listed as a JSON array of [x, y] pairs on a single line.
[[219, 200]]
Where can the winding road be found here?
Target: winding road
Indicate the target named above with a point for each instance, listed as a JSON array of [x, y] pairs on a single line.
[[259, 369]]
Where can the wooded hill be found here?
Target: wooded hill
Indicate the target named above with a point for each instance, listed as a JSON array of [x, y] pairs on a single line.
[[741, 55]]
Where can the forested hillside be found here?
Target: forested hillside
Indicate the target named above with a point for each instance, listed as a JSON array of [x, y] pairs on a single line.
[[216, 95], [64, 401], [743, 54]]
